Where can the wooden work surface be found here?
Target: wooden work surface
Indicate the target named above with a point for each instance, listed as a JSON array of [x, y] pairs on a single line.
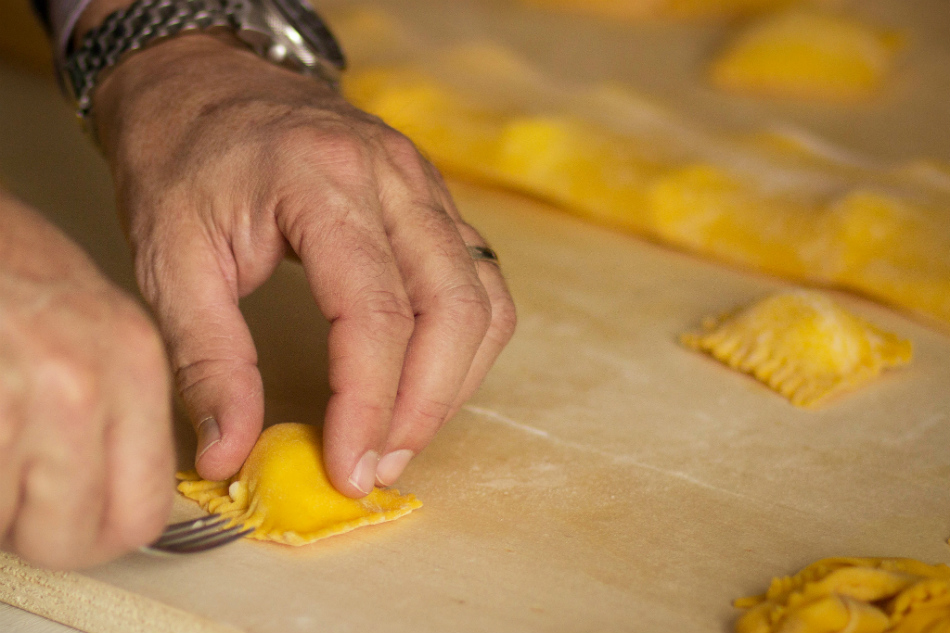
[[603, 479]]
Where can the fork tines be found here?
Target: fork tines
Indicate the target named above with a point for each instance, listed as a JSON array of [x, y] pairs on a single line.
[[190, 537]]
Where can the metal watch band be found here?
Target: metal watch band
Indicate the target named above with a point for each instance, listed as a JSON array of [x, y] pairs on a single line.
[[143, 23]]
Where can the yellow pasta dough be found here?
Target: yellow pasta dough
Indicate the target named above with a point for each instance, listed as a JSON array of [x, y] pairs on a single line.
[[806, 54], [791, 213], [636, 9], [853, 595], [800, 344], [283, 491]]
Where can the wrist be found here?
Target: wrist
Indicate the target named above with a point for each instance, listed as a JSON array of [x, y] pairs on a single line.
[[164, 89], [170, 82], [285, 32]]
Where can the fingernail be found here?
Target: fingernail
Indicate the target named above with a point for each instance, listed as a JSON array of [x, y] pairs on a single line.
[[209, 434], [364, 475], [392, 465]]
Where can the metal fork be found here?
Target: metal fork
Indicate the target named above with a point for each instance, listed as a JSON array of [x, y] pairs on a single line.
[[198, 535]]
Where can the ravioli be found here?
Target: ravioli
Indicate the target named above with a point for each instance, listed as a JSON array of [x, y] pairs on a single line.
[[607, 154], [801, 345], [283, 492], [853, 595], [808, 55]]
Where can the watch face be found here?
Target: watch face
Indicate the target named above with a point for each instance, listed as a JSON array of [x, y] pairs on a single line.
[[312, 29]]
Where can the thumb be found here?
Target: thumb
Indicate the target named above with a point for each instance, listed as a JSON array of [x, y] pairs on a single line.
[[213, 356]]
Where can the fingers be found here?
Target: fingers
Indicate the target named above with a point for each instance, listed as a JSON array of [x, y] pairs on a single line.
[[10, 489], [62, 473], [413, 330], [411, 434], [453, 314], [12, 420], [503, 321], [58, 520], [211, 350], [503, 314], [139, 451], [89, 501], [358, 287], [93, 465]]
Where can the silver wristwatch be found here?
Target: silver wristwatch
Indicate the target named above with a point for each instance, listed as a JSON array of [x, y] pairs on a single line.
[[286, 32]]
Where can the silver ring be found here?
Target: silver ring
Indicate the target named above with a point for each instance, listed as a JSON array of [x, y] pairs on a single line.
[[483, 253]]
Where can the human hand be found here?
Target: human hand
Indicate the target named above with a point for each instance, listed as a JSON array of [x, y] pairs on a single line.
[[224, 163], [86, 460]]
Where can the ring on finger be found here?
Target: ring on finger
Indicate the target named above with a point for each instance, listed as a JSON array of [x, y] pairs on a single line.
[[483, 254]]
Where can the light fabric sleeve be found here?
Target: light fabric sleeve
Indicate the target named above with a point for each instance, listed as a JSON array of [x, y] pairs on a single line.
[[63, 15]]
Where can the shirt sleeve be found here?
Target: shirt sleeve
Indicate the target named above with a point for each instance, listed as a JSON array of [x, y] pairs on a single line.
[[60, 18]]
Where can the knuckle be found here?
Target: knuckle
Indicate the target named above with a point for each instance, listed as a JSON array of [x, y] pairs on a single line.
[[505, 316], [504, 320], [430, 415], [375, 408], [70, 518], [403, 154], [304, 230], [468, 304], [341, 219], [331, 145], [76, 381], [400, 147], [343, 148], [389, 314], [189, 375]]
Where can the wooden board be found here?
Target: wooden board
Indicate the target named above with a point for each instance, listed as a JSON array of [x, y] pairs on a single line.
[[604, 478], [13, 619]]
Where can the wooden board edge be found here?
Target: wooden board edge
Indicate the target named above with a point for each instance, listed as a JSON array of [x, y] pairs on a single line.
[[93, 606]]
